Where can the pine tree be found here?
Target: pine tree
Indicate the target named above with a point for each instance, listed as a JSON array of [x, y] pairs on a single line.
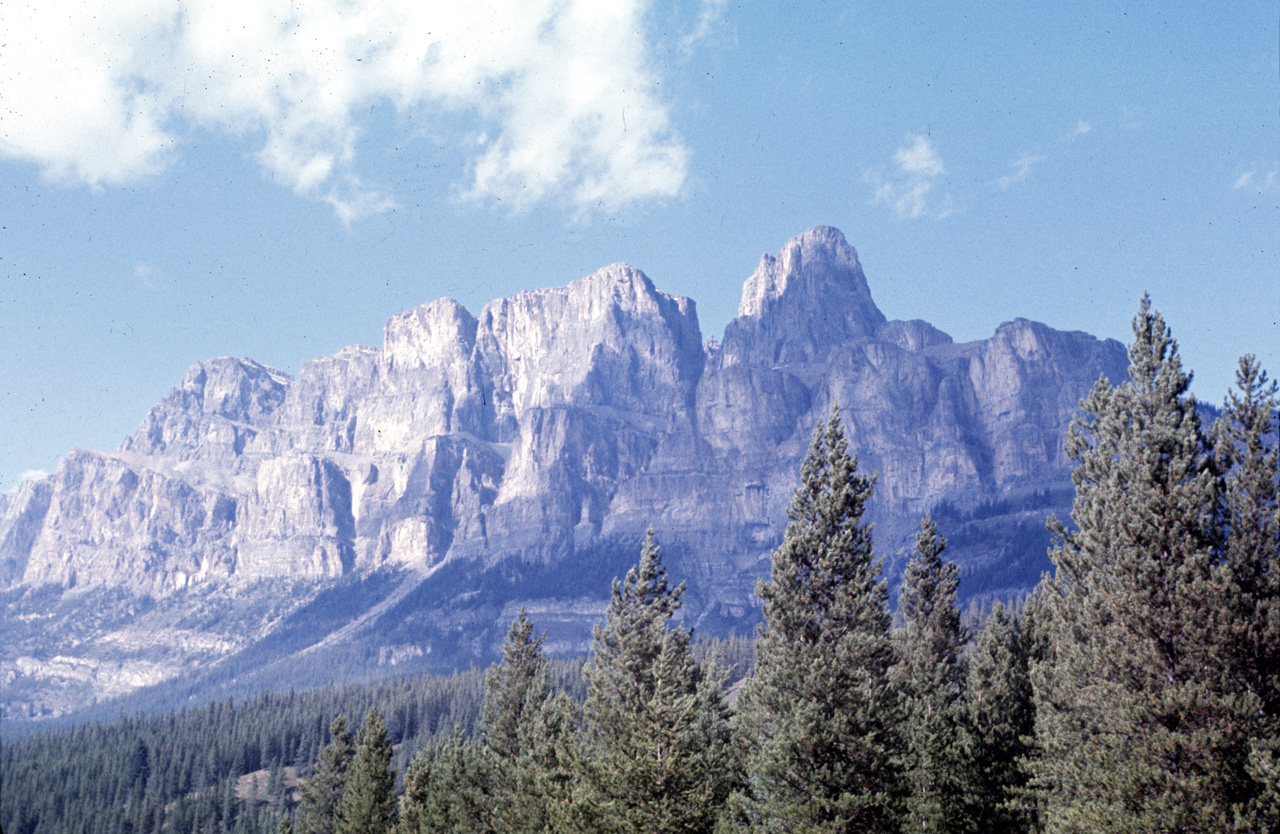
[[655, 726], [1248, 452], [515, 688], [818, 715], [551, 760], [320, 795], [930, 676], [368, 802], [516, 732], [1130, 704], [999, 720], [447, 789]]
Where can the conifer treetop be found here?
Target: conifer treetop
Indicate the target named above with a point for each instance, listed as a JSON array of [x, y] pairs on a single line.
[[368, 802], [1131, 709], [515, 687], [819, 716], [322, 793], [627, 642], [827, 545]]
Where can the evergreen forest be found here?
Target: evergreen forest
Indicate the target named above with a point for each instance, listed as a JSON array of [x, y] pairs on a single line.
[[1136, 689]]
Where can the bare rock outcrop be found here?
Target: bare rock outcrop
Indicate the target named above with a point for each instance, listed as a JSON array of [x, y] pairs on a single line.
[[554, 422]]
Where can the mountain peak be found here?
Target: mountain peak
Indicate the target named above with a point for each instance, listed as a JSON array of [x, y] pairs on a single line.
[[819, 260], [532, 446], [809, 295]]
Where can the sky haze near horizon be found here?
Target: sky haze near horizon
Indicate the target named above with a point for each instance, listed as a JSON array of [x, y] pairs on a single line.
[[274, 179]]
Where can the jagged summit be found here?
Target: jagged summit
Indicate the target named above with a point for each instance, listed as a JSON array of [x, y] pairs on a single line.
[[818, 260], [798, 303], [528, 445], [220, 402], [619, 281]]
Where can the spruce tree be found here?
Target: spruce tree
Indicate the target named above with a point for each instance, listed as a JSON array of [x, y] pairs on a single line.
[[368, 802], [818, 716], [999, 720], [1250, 455], [656, 727], [321, 794], [929, 674], [1131, 712]]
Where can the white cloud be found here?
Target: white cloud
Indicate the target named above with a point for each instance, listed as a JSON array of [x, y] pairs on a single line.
[[908, 188], [103, 94], [1082, 127], [146, 274], [709, 15], [1021, 169], [29, 475], [1252, 180], [920, 159]]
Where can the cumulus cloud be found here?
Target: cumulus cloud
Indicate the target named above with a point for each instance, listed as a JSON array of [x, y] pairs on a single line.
[[103, 93], [908, 187], [1021, 169]]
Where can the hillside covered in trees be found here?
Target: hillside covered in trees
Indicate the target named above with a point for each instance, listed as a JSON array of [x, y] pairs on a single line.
[[1137, 689]]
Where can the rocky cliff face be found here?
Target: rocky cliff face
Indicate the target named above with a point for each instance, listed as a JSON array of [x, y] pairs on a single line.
[[553, 424]]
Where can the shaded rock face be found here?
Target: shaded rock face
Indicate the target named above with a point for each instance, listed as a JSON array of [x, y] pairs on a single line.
[[554, 421]]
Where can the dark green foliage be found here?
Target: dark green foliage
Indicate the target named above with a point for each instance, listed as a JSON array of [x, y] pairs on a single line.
[[515, 689], [322, 793], [655, 725], [929, 674], [448, 790], [1138, 690], [551, 763], [998, 720], [368, 803], [818, 717], [1249, 453], [139, 767], [523, 736], [78, 780], [1132, 709]]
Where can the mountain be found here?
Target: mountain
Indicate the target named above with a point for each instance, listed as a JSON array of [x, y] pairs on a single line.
[[391, 508]]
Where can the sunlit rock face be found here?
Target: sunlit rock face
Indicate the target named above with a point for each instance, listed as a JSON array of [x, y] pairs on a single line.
[[554, 422]]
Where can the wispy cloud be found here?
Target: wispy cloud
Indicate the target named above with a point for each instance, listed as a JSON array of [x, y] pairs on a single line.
[[709, 15], [104, 94], [1021, 169], [1253, 180], [908, 188], [146, 274], [29, 475]]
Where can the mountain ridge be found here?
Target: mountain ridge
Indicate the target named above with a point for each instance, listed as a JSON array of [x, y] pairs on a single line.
[[553, 427]]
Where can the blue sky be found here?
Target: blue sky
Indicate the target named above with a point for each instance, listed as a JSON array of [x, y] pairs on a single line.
[[275, 178]]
